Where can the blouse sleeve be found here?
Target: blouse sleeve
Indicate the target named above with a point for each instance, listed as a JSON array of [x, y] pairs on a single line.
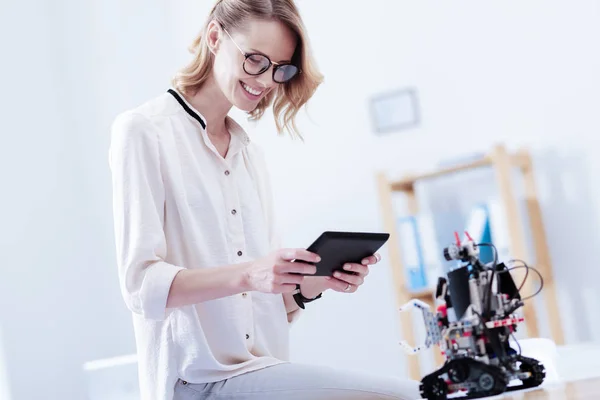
[[138, 209]]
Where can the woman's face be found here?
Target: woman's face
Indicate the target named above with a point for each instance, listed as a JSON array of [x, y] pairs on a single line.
[[270, 38]]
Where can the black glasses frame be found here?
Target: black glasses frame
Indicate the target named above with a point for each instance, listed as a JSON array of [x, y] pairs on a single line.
[[276, 66]]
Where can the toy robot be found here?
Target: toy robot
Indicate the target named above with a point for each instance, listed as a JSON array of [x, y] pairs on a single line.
[[474, 320]]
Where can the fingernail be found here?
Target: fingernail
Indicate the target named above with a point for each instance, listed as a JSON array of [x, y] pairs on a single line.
[[347, 267], [318, 259], [337, 274], [365, 262], [328, 278]]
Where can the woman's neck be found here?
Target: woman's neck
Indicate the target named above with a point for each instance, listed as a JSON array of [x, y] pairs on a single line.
[[213, 105]]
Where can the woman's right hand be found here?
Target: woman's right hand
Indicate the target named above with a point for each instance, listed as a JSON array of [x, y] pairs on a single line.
[[276, 273]]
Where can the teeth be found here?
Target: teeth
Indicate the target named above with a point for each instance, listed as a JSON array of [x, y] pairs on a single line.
[[250, 90]]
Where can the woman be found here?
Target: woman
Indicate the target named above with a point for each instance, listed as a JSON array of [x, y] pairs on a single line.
[[211, 292]]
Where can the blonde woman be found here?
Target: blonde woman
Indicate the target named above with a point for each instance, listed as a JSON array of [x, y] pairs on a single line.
[[211, 292]]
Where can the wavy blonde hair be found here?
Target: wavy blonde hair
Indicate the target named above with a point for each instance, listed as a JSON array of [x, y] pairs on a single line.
[[287, 98]]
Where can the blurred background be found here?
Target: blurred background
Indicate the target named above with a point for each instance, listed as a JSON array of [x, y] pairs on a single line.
[[409, 87]]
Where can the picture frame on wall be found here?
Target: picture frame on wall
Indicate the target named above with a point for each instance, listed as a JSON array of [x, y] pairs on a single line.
[[395, 111]]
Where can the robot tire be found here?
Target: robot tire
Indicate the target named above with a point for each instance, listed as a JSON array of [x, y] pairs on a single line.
[[477, 379]]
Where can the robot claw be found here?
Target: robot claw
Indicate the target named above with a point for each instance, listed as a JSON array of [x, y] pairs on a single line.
[[473, 324], [430, 320]]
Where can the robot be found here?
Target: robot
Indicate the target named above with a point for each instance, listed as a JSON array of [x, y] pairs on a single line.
[[475, 317]]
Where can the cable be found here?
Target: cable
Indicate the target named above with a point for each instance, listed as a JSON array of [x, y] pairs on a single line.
[[526, 272], [541, 285], [495, 262], [517, 342], [527, 268]]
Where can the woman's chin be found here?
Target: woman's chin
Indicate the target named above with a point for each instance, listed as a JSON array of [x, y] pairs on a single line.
[[245, 104]]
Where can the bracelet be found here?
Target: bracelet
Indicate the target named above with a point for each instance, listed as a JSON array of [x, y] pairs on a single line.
[[300, 299]]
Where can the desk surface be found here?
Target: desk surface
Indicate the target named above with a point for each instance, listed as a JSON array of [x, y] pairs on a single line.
[[588, 389]]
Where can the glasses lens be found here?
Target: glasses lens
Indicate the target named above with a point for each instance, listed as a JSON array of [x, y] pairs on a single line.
[[256, 64], [284, 73]]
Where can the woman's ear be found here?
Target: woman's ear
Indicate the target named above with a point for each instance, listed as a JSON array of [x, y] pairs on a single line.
[[213, 36]]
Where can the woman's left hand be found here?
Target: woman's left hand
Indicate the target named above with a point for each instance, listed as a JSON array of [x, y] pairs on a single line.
[[353, 276]]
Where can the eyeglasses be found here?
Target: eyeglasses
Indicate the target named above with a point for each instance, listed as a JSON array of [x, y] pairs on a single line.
[[256, 64]]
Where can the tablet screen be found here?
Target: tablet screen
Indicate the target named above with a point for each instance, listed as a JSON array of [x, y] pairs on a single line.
[[338, 248]]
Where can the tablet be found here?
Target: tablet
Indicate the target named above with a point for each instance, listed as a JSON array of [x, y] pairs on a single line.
[[339, 248]]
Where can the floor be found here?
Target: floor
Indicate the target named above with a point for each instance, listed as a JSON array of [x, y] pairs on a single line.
[[587, 389], [575, 374]]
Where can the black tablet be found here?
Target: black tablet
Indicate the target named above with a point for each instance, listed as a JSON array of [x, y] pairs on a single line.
[[339, 248]]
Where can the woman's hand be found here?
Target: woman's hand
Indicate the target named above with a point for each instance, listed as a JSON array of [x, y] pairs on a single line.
[[276, 273], [353, 276], [348, 281]]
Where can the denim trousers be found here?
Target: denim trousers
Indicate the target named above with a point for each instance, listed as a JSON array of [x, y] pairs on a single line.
[[289, 381]]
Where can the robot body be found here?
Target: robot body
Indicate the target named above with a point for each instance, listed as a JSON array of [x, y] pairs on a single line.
[[475, 317]]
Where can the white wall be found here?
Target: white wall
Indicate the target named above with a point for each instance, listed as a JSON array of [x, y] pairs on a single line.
[[521, 73], [4, 383], [70, 71]]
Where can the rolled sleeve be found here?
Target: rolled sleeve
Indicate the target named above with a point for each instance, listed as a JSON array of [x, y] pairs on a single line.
[[155, 289], [138, 208]]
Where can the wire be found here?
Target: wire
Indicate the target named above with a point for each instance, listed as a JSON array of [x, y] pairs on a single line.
[[517, 342], [527, 268], [526, 272], [541, 285], [495, 262]]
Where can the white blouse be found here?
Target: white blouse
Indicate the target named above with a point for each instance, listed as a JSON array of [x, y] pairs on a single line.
[[179, 204]]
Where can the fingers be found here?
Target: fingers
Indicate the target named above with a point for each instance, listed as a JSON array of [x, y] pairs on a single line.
[[299, 254], [284, 288], [357, 269], [374, 259], [287, 267], [285, 278], [356, 280], [340, 285]]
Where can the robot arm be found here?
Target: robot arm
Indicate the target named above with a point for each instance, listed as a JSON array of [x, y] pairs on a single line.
[[433, 334]]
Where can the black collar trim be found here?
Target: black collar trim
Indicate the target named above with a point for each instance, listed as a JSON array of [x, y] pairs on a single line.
[[187, 108]]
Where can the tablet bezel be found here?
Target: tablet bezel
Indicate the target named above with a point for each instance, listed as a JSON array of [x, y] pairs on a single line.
[[364, 238]]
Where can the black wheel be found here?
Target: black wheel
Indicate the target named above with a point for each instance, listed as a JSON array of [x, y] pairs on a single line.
[[458, 371], [490, 381], [486, 382], [434, 389], [537, 370]]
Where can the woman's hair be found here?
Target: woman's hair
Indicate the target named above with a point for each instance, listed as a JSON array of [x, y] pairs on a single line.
[[287, 98]]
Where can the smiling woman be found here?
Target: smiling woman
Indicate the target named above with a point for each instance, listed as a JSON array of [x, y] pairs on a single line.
[[211, 293], [251, 27]]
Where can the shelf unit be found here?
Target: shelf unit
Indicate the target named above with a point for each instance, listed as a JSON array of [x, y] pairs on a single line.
[[502, 163]]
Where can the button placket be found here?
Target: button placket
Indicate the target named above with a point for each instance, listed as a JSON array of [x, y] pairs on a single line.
[[248, 304], [234, 222]]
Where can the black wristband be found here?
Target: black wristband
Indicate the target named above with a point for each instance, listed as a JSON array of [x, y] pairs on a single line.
[[300, 299]]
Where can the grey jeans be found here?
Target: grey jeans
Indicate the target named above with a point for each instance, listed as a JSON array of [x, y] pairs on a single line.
[[300, 382]]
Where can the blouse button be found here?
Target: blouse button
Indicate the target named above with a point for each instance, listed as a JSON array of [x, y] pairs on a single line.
[[247, 336], [227, 172], [239, 253], [233, 212]]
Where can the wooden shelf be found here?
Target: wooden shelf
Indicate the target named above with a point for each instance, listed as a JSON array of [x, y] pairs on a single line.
[[502, 164], [421, 294], [407, 183]]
